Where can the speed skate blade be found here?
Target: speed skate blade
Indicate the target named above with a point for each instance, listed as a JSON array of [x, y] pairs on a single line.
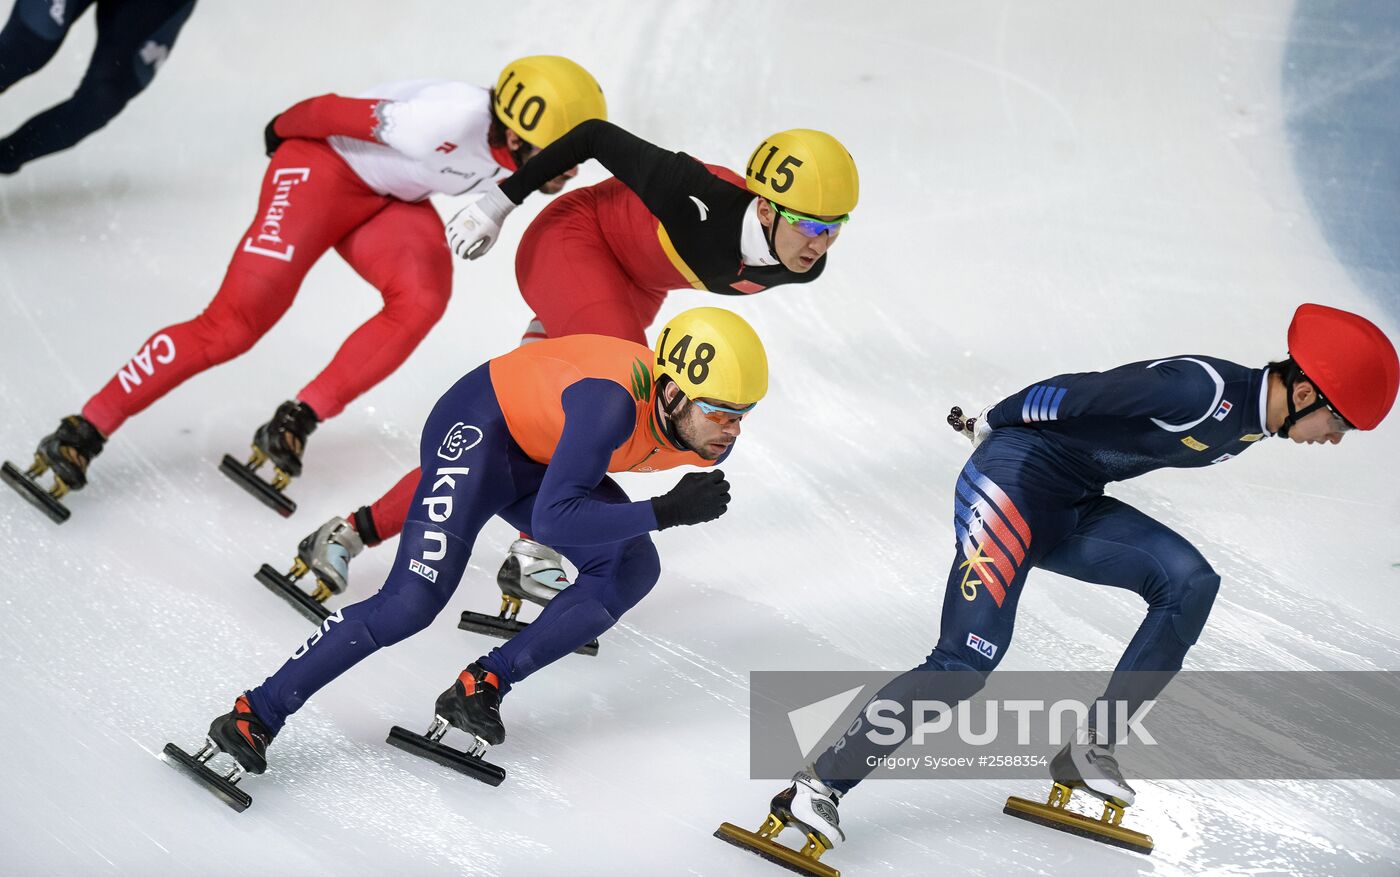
[[505, 628], [471, 765], [1064, 820], [200, 773], [262, 490], [36, 495], [773, 851], [288, 590]]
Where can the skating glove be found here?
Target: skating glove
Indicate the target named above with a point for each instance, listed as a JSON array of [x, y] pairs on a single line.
[[270, 138], [975, 428], [698, 497], [476, 226]]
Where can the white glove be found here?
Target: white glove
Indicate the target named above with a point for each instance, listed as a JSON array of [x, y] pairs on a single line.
[[976, 429], [474, 228]]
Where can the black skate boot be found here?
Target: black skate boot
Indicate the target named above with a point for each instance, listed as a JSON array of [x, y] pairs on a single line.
[[808, 805], [326, 554], [1092, 767], [67, 451], [472, 704], [240, 734], [281, 440], [533, 572]]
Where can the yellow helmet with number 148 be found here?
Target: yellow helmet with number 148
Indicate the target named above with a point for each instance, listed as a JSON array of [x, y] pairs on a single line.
[[712, 353], [806, 171], [541, 97]]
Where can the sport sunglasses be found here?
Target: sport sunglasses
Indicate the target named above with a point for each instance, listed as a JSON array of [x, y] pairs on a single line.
[[721, 415], [810, 226]]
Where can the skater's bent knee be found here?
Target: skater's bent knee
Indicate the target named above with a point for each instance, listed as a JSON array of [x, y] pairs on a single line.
[[395, 614], [1197, 597]]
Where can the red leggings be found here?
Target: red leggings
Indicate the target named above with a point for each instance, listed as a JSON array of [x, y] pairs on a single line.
[[310, 201], [576, 286]]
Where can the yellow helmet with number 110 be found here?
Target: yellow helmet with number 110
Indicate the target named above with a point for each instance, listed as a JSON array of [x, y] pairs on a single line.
[[541, 97], [712, 353], [806, 171]]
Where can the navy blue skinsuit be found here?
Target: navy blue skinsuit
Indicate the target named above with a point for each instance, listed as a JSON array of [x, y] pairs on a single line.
[[473, 469], [134, 37], [1031, 495]]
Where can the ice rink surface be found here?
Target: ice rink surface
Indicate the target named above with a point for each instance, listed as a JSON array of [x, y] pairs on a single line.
[[1046, 187]]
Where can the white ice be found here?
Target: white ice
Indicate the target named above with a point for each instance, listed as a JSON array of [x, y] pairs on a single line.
[[1047, 187]]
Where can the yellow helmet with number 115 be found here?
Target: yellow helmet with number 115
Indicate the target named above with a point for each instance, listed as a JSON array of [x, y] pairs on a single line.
[[541, 97], [712, 353], [806, 171]]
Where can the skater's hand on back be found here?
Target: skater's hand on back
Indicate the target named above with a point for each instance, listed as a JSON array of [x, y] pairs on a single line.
[[975, 429], [474, 228], [698, 497]]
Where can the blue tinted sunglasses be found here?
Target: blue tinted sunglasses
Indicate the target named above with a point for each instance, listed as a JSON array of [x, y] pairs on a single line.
[[721, 415]]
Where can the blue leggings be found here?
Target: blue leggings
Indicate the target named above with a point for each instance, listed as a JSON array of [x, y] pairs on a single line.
[[472, 470], [1014, 510], [134, 37]]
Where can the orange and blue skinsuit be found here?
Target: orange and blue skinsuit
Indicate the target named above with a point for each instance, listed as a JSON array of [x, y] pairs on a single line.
[[530, 436]]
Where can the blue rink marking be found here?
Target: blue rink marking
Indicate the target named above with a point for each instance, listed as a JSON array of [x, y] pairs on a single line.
[[1341, 90]]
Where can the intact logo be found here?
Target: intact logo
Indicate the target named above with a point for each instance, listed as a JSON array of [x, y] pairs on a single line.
[[459, 439], [423, 570], [988, 650], [269, 241], [1223, 411]]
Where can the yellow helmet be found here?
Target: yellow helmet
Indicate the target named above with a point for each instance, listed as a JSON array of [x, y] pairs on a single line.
[[714, 354], [541, 97], [806, 171]]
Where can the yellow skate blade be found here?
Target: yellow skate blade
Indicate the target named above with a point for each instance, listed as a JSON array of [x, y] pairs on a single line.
[[774, 851], [1064, 820]]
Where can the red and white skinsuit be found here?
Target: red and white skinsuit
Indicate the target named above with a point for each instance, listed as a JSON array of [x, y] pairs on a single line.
[[353, 174]]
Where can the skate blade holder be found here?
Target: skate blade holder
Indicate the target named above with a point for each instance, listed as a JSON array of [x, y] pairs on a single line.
[[196, 767], [763, 843], [24, 483], [1053, 814], [311, 605], [505, 625], [269, 493], [427, 746]]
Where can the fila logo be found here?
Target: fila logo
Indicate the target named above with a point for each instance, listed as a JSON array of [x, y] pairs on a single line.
[[423, 570], [159, 349], [987, 650], [316, 637], [1222, 458], [269, 236], [1223, 411], [446, 147], [702, 207]]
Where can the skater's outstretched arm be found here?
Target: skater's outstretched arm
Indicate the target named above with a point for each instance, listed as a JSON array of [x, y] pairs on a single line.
[[599, 416], [657, 175], [329, 115], [1174, 391]]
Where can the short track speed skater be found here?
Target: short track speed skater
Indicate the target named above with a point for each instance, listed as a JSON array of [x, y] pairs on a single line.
[[326, 554], [66, 453]]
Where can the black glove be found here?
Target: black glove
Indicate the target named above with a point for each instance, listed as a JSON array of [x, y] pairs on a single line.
[[270, 138], [698, 497]]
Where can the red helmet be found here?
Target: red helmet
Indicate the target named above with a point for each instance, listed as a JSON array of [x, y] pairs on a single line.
[[1348, 359]]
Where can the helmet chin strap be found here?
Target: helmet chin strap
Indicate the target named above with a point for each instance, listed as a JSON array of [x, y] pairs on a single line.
[[773, 234], [1294, 415], [672, 408]]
